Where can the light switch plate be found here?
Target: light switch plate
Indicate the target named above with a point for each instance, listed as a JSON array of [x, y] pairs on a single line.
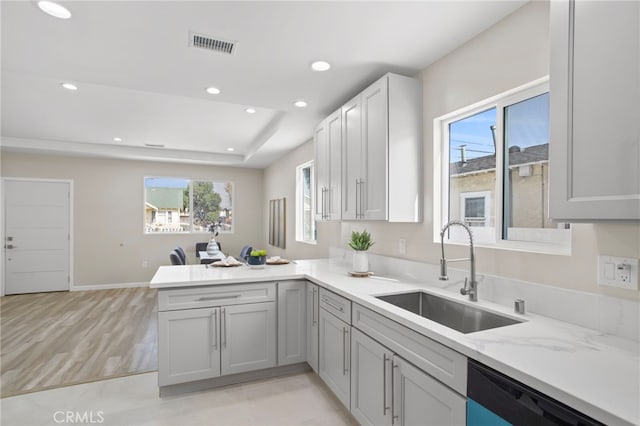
[[620, 272]]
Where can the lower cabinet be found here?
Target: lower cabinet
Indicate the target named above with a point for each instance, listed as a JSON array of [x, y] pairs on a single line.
[[334, 356], [292, 319], [386, 389], [203, 343], [313, 325]]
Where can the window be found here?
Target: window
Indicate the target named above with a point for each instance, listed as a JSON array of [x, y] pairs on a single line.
[[494, 158], [185, 205], [305, 221]]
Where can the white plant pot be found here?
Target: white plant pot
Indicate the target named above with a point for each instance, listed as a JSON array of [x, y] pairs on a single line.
[[360, 261]]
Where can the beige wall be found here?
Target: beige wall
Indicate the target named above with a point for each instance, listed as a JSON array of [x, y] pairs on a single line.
[[280, 181], [513, 52], [109, 243]]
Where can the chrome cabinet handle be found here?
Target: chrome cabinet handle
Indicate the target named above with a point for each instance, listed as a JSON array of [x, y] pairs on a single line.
[[336, 307], [357, 186], [361, 198], [345, 335], [393, 385], [313, 307], [223, 320], [214, 315], [205, 298], [384, 384]]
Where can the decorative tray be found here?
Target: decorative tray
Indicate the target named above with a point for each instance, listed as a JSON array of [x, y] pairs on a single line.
[[226, 263], [277, 261], [360, 274]]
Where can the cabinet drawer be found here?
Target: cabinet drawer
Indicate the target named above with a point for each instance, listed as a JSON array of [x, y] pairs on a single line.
[[219, 295], [446, 365], [337, 305]]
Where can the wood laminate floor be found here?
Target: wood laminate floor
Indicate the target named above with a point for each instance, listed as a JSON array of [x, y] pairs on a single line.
[[49, 340]]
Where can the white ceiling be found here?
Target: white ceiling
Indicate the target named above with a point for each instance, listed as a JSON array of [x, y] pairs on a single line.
[[139, 80]]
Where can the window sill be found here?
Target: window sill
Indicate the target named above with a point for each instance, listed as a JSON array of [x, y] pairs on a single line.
[[311, 243]]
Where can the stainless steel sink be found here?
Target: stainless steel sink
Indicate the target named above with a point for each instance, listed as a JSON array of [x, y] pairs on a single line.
[[455, 315]]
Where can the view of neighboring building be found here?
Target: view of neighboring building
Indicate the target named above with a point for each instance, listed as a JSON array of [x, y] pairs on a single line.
[[164, 210]]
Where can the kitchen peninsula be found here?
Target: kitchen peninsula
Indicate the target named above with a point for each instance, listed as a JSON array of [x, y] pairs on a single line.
[[594, 373]]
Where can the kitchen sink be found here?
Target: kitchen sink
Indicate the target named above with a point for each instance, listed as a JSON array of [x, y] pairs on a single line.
[[455, 315]]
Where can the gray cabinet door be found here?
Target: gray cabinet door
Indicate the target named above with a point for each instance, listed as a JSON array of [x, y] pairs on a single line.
[[334, 356], [375, 137], [352, 159], [292, 322], [420, 399], [188, 345], [595, 104], [248, 337], [321, 169], [313, 325], [334, 134], [370, 380]]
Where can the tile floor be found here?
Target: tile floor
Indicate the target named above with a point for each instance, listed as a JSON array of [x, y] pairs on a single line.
[[300, 399]]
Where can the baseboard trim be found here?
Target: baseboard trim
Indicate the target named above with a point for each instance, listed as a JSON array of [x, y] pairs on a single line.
[[107, 286], [233, 379]]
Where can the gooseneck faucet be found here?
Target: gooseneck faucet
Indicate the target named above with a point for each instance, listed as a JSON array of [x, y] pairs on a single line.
[[472, 288]]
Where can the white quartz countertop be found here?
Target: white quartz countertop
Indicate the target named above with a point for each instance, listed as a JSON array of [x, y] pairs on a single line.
[[595, 373]]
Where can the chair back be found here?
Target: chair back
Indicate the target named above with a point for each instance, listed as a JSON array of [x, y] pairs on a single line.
[[175, 258], [246, 250], [182, 254], [200, 247]]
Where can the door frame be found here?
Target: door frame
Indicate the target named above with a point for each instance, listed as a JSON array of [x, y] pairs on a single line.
[[3, 225]]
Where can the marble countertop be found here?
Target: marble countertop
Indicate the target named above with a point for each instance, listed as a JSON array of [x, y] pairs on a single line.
[[595, 373]]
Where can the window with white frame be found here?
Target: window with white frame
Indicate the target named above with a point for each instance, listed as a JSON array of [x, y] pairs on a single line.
[[494, 163], [305, 221], [181, 205]]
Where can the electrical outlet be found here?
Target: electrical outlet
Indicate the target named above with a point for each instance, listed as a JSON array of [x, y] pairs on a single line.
[[402, 246], [145, 264], [621, 272]]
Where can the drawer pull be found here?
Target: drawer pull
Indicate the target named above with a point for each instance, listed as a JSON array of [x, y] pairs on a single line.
[[207, 298], [337, 308]]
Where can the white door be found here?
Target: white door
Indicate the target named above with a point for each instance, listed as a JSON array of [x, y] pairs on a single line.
[[375, 134], [37, 236], [292, 327]]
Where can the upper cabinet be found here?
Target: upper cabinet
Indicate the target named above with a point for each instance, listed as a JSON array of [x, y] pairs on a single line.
[[328, 151], [382, 152], [595, 111]]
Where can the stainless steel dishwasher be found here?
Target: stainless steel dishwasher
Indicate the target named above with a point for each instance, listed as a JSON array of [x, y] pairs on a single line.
[[494, 399]]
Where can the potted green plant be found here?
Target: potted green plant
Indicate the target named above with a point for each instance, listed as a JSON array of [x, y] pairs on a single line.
[[257, 257], [360, 242]]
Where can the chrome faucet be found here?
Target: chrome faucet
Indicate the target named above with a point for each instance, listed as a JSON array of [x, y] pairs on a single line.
[[472, 288]]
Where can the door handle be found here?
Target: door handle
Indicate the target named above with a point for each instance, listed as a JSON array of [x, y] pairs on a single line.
[[313, 307], [345, 335], [204, 299], [223, 321], [384, 384], [214, 315], [393, 385], [362, 187]]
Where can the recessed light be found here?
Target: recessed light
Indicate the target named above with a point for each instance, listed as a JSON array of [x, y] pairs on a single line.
[[69, 86], [301, 104], [54, 9], [213, 90], [230, 149], [320, 66], [250, 110], [116, 139]]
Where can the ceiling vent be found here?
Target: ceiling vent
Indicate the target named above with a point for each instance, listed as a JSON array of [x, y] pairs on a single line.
[[215, 44]]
